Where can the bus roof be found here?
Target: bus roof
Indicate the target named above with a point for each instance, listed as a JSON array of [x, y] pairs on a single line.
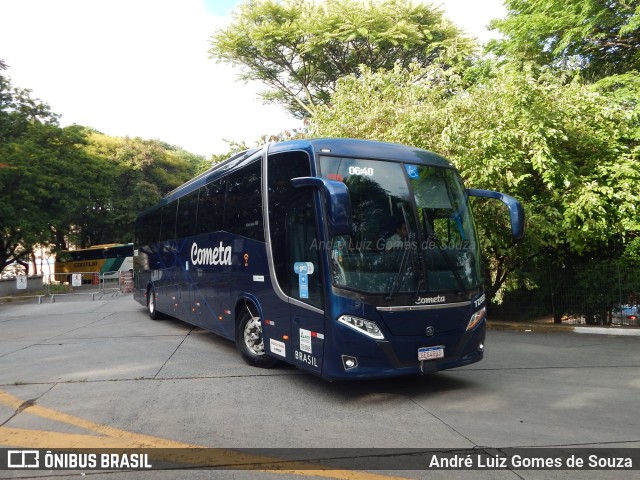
[[99, 247], [372, 149], [340, 147]]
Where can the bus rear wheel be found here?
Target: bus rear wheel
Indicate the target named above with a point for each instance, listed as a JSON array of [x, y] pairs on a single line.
[[250, 342], [154, 314]]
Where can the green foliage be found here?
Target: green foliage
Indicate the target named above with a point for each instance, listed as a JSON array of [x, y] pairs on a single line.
[[141, 172], [560, 147], [299, 49], [598, 37], [73, 185], [624, 91], [632, 251], [39, 180]]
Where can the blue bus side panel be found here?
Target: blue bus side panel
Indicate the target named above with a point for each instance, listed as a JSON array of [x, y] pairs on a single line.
[[308, 338], [192, 289], [197, 279]]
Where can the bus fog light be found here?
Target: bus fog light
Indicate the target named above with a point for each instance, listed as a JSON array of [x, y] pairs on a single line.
[[477, 317], [366, 327], [349, 362], [481, 348]]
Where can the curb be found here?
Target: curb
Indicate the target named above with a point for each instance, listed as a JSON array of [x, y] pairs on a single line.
[[552, 328]]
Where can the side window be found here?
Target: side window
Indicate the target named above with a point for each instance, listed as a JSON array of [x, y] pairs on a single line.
[[243, 205], [292, 224], [186, 220], [168, 229], [147, 227], [211, 206]]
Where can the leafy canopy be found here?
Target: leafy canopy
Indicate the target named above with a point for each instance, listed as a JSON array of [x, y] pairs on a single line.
[[300, 48], [44, 173], [560, 147], [598, 37], [72, 184]]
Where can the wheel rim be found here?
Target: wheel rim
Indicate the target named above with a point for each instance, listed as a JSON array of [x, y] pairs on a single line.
[[253, 336], [152, 302]]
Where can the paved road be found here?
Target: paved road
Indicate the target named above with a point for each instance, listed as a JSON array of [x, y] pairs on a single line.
[[101, 374]]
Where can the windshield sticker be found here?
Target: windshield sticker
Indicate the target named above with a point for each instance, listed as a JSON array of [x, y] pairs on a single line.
[[412, 171], [303, 267], [303, 270], [303, 284]]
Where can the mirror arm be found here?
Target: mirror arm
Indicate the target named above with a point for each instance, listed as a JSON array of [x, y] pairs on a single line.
[[516, 212]]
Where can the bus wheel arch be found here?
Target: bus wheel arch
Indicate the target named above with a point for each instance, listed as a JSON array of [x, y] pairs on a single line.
[[249, 336]]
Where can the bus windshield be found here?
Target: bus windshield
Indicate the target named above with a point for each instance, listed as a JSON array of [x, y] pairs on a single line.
[[412, 229]]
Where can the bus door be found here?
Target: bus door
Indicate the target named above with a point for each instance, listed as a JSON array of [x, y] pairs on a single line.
[[296, 254], [306, 294]]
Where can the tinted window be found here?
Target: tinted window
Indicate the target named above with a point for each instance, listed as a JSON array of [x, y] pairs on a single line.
[[186, 220], [243, 206], [211, 207], [168, 230], [148, 227]]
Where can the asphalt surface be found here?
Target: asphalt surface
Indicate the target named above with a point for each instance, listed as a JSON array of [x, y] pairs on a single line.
[[100, 374]]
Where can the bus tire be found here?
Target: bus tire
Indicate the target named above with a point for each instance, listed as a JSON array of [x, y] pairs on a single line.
[[152, 304], [249, 340]]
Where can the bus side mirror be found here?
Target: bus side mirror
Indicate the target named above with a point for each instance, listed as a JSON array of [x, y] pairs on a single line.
[[516, 212], [337, 201]]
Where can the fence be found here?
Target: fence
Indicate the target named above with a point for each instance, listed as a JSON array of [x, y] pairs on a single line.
[[66, 284], [89, 283], [25, 285], [599, 293]]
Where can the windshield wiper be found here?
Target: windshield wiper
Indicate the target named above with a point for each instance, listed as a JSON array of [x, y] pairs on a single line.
[[408, 245], [404, 261], [450, 265]]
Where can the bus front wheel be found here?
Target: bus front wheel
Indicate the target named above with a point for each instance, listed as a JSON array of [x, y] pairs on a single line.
[[250, 342]]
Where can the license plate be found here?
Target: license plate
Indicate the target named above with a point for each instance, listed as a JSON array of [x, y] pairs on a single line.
[[430, 353]]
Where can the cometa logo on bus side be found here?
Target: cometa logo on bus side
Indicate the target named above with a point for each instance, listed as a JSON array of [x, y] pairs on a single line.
[[220, 255]]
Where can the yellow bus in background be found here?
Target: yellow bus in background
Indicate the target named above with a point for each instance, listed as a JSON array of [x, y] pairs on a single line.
[[95, 262]]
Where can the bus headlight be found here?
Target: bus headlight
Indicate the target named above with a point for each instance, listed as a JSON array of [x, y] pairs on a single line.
[[477, 317], [361, 325]]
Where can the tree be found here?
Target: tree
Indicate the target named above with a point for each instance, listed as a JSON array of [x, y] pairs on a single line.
[[557, 145], [72, 185], [44, 173], [598, 37], [141, 172], [299, 48]]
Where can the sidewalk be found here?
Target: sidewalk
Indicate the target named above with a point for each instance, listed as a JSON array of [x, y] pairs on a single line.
[[551, 327]]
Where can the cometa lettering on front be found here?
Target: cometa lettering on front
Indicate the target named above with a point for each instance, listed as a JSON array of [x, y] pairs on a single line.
[[219, 255], [430, 300]]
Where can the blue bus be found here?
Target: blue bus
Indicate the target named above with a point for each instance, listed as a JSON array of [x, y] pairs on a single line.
[[347, 258]]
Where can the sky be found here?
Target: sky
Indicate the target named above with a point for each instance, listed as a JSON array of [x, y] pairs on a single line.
[[141, 68]]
